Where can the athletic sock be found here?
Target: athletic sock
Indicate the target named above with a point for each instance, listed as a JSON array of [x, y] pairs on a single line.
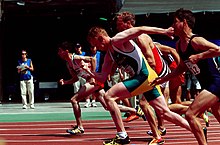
[[80, 128]]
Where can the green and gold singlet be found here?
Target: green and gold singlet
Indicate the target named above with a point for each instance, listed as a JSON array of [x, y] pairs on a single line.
[[135, 64]]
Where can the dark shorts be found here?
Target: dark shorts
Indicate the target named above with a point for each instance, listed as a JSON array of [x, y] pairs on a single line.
[[214, 88]]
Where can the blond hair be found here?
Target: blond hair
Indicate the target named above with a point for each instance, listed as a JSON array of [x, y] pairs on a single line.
[[94, 32]]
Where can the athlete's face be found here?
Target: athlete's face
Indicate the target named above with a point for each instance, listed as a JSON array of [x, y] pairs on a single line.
[[121, 25], [178, 26], [98, 43], [93, 49], [63, 54]]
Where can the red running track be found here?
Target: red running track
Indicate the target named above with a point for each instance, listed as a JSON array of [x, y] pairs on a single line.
[[53, 133]]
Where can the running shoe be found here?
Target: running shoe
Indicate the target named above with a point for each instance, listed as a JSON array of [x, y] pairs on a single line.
[[24, 107], [127, 114], [157, 141], [87, 104], [32, 106], [117, 141], [75, 130], [162, 132], [130, 118], [206, 119], [93, 104], [140, 113]]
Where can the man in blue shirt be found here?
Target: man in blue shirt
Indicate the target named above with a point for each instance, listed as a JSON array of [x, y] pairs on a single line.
[[25, 67]]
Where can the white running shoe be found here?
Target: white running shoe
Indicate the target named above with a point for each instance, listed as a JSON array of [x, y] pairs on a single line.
[[93, 104], [24, 107], [87, 104], [32, 106]]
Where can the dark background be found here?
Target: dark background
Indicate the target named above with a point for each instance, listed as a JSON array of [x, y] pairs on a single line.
[[40, 31]]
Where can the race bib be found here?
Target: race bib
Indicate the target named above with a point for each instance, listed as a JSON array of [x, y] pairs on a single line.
[[192, 67]]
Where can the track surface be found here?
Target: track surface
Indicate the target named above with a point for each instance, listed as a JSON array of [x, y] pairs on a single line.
[[96, 131]]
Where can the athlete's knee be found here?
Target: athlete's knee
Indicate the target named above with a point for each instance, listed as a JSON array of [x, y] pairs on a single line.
[[101, 93], [142, 103], [145, 106], [108, 97], [189, 115], [73, 100], [163, 112]]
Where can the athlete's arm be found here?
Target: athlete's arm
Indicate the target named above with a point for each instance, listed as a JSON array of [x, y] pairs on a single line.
[[169, 50], [73, 79], [207, 49], [179, 70], [145, 43], [70, 81], [133, 32], [87, 59], [106, 70]]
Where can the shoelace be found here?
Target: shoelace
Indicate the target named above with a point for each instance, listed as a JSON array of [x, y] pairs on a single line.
[[77, 130], [139, 112]]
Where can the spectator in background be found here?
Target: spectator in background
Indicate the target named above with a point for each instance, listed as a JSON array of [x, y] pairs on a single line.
[[24, 68]]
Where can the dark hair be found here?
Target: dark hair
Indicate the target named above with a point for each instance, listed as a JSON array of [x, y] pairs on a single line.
[[127, 16], [77, 45], [66, 46], [182, 14], [24, 50]]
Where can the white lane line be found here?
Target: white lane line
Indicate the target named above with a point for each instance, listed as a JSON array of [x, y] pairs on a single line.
[[106, 127], [135, 123], [168, 141], [140, 132]]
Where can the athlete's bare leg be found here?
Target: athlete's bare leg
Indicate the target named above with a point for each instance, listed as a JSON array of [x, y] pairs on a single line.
[[127, 109], [175, 94], [178, 108], [216, 111], [100, 96], [126, 102], [160, 106], [166, 94], [118, 91], [198, 106], [150, 115], [85, 90]]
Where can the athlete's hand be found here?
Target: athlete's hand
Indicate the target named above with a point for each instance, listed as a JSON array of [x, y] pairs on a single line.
[[61, 81], [170, 32], [194, 58], [84, 66], [157, 81]]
